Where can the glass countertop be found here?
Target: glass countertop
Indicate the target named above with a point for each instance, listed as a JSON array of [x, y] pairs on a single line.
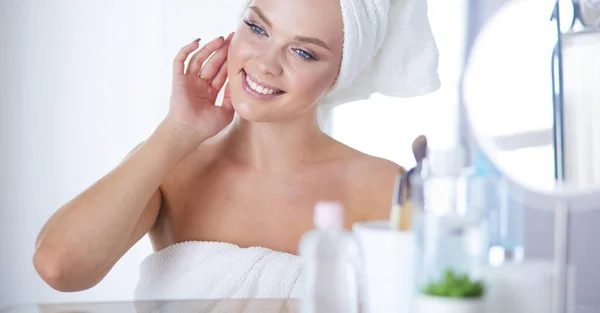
[[171, 306]]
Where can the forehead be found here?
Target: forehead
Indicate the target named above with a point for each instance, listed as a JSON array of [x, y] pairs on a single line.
[[313, 18]]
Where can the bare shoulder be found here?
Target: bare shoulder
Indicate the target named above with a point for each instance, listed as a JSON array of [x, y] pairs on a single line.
[[373, 183], [365, 166], [370, 181]]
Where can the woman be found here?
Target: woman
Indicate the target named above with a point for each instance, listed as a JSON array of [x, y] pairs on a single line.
[[247, 173]]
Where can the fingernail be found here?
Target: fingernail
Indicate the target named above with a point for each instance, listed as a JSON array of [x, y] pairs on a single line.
[[197, 40]]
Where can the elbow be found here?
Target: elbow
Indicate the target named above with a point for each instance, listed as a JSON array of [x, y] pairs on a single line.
[[58, 274]]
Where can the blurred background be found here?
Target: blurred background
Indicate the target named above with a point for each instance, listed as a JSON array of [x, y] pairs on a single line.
[[83, 82]]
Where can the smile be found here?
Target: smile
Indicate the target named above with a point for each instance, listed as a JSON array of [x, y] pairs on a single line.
[[258, 90]]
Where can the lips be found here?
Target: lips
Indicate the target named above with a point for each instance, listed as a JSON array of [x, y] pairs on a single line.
[[258, 89]]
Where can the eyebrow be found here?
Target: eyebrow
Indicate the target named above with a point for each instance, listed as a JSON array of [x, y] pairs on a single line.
[[260, 14], [314, 41], [310, 40]]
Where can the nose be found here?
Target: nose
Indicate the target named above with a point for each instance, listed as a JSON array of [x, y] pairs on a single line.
[[269, 63]]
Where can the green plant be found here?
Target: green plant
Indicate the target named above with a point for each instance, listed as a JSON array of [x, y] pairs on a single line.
[[455, 285]]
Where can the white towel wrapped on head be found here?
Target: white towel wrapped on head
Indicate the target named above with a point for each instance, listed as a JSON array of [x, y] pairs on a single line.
[[218, 270], [388, 48]]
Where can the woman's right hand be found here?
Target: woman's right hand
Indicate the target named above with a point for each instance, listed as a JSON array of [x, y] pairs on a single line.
[[195, 89]]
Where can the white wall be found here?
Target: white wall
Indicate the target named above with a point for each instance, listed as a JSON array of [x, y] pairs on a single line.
[[81, 83], [581, 109]]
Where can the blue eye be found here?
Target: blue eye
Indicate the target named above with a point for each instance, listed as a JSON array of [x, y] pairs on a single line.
[[304, 54], [255, 28]]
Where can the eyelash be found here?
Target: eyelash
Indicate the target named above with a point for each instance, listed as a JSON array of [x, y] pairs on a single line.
[[259, 31], [305, 55], [254, 28]]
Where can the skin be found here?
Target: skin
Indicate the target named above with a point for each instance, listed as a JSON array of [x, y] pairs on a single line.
[[248, 172]]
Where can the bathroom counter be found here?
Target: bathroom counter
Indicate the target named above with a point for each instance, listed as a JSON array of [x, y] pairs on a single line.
[[182, 306]]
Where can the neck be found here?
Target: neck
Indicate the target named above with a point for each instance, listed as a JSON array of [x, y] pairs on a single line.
[[275, 146]]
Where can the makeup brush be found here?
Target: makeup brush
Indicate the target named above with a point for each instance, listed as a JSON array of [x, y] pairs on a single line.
[[413, 188], [405, 205], [397, 202], [402, 209]]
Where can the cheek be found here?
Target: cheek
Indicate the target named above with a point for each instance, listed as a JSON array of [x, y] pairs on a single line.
[[313, 80], [233, 55], [242, 47], [236, 57]]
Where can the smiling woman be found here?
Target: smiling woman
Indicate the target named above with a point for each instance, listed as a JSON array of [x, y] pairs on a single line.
[[282, 46], [225, 192]]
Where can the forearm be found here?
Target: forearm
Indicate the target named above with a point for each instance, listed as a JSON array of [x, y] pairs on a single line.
[[92, 230]]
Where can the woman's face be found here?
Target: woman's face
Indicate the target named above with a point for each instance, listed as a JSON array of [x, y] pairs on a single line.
[[284, 57]]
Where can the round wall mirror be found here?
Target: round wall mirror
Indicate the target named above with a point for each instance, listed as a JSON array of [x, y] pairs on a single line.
[[531, 96], [532, 102]]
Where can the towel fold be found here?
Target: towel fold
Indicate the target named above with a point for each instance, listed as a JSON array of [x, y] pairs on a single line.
[[388, 48], [218, 270]]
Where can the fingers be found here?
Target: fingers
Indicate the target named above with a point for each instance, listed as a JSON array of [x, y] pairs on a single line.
[[221, 77], [227, 99], [216, 62], [179, 61], [219, 80], [200, 57]]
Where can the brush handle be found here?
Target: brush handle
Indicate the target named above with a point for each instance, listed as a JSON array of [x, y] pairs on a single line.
[[401, 214], [406, 216], [394, 222]]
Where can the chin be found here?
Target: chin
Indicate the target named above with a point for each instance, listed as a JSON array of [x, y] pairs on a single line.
[[258, 113], [247, 112], [253, 111]]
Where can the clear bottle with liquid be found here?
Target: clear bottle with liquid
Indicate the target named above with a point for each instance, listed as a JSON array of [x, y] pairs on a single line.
[[489, 189], [330, 258]]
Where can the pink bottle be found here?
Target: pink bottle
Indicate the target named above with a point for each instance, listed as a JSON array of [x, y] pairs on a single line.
[[330, 259]]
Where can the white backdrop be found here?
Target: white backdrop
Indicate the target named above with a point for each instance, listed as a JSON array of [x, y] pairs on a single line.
[[81, 83]]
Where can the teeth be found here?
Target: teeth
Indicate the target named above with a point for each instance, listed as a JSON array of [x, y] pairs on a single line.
[[258, 88]]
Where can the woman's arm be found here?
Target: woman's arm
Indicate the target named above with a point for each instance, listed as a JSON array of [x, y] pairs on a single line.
[[83, 240]]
